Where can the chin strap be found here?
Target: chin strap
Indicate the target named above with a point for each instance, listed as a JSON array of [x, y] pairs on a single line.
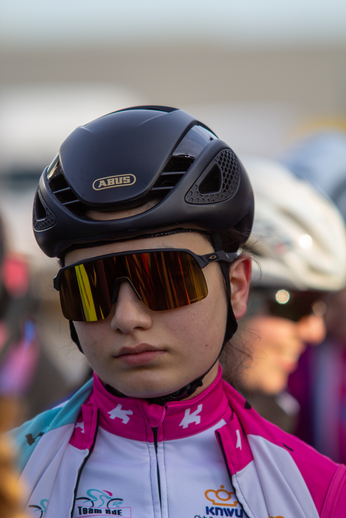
[[231, 327], [74, 336], [182, 393]]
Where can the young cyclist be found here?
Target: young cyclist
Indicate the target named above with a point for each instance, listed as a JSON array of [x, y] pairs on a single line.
[[146, 209], [299, 240]]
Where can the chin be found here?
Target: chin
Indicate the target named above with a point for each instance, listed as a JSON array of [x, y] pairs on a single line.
[[276, 389], [275, 386]]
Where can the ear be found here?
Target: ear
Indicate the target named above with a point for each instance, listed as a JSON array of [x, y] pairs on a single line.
[[239, 276]]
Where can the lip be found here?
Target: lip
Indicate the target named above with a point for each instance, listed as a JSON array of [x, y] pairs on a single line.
[[289, 366], [139, 354]]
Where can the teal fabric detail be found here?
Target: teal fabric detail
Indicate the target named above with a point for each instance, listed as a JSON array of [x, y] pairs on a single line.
[[27, 436]]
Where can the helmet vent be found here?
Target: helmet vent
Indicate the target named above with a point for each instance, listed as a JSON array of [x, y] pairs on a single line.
[[224, 169], [43, 217], [61, 189], [175, 169], [212, 182]]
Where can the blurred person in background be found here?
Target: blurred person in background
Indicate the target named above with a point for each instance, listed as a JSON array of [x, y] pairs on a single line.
[[19, 351], [19, 344], [27, 376], [11, 493], [299, 243], [319, 383]]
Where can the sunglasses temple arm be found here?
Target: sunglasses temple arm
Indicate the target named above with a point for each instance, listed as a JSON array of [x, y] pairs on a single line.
[[56, 283], [227, 257], [221, 255]]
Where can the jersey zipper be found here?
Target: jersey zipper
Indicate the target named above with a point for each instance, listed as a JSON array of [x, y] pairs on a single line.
[[157, 464]]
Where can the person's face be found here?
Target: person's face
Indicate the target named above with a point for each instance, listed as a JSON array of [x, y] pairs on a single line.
[[277, 344], [145, 353]]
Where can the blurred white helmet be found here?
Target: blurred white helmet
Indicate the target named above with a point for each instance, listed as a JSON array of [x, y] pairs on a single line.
[[299, 236]]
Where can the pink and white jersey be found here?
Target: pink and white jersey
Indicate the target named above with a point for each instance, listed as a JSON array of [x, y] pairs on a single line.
[[211, 455], [152, 461]]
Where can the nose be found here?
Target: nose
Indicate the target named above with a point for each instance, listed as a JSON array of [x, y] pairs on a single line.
[[130, 312], [311, 329]]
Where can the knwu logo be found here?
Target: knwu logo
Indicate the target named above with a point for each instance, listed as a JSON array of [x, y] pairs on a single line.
[[221, 497], [119, 180], [224, 503]]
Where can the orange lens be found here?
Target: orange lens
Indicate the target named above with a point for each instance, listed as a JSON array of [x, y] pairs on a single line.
[[163, 280]]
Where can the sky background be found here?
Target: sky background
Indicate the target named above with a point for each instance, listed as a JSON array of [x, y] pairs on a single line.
[[241, 22]]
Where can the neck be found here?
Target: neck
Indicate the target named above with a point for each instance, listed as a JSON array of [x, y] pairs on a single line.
[[189, 390]]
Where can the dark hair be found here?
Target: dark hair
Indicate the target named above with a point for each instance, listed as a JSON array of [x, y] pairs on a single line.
[[235, 358], [237, 353]]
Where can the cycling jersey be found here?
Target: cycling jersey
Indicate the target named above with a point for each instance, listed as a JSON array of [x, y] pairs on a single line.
[[211, 455]]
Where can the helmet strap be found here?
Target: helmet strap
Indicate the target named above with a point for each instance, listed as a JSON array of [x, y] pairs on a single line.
[[74, 336]]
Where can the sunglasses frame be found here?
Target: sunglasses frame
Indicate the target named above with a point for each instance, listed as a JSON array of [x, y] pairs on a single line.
[[268, 301], [202, 260]]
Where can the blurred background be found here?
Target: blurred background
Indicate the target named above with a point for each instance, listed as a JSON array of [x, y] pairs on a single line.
[[260, 73]]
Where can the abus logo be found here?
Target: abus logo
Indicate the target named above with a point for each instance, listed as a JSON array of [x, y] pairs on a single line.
[[119, 180]]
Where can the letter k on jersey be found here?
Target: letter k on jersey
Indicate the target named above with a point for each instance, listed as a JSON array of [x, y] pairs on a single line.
[[122, 414], [191, 417]]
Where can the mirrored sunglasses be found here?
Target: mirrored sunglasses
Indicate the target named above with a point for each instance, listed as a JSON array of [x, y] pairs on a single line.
[[287, 303], [162, 278]]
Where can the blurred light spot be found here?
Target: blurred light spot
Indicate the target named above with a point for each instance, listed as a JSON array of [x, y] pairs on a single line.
[[282, 297], [319, 308], [305, 241]]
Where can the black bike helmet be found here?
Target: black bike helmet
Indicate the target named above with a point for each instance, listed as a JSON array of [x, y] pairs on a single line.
[[137, 155], [126, 158]]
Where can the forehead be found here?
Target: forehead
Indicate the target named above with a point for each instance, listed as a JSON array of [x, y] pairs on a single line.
[[194, 241]]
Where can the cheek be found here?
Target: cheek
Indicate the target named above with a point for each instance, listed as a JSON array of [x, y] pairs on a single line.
[[201, 324], [91, 335], [269, 333]]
